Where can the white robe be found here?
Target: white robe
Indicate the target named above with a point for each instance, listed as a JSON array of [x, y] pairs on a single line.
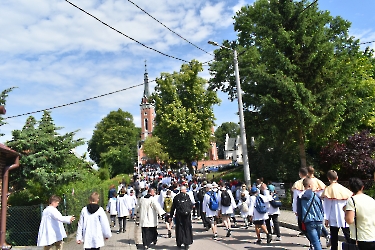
[[122, 206], [51, 227], [93, 228], [149, 208]]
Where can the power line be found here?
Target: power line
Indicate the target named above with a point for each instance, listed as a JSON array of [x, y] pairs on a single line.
[[124, 34], [71, 103], [367, 42], [169, 28], [309, 5]]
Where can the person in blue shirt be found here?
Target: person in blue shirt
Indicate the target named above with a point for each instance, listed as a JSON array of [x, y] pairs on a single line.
[[310, 212]]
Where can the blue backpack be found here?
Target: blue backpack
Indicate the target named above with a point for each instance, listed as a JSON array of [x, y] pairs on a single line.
[[276, 202], [260, 206], [214, 203]]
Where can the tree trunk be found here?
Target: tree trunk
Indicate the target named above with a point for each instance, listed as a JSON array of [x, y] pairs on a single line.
[[301, 146]]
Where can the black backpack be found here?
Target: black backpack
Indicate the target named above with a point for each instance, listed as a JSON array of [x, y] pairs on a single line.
[[225, 199], [201, 194], [184, 205]]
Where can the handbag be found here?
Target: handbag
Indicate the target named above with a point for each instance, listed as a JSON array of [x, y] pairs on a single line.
[[352, 246]]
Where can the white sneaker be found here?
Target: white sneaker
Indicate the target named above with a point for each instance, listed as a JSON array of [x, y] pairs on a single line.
[[278, 239], [328, 241]]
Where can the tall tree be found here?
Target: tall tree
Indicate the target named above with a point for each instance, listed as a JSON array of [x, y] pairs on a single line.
[[230, 128], [47, 158], [154, 150], [3, 96], [184, 113], [300, 71], [114, 133]]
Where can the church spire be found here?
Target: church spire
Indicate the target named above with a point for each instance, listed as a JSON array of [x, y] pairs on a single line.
[[146, 92]]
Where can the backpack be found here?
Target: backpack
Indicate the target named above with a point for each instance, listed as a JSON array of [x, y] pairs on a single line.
[[184, 205], [260, 206], [214, 203], [167, 204], [201, 194], [276, 202], [225, 199]]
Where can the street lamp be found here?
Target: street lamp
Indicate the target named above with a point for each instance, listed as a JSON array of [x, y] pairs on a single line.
[[246, 165]]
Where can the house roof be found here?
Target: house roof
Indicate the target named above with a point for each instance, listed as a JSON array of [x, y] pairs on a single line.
[[7, 150], [232, 143]]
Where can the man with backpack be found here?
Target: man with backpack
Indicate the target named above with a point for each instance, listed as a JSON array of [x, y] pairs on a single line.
[[273, 212], [211, 206], [259, 205], [168, 201], [228, 204], [181, 208], [202, 191]]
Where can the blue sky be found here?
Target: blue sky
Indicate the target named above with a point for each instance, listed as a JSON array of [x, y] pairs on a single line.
[[56, 54]]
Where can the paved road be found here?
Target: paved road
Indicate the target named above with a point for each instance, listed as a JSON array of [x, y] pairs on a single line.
[[240, 239]]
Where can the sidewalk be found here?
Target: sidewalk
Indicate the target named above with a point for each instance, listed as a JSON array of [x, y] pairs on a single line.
[[241, 238]]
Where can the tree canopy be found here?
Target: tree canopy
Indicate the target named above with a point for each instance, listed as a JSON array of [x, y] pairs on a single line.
[[230, 128], [3, 96], [184, 113], [47, 157], [305, 80], [154, 150], [113, 144]]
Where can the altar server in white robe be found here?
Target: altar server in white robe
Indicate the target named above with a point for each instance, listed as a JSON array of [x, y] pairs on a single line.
[[93, 226], [51, 229], [335, 197]]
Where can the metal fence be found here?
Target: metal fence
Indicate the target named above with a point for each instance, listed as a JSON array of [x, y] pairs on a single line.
[[23, 221]]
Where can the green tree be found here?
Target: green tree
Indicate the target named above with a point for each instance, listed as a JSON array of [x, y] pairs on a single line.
[[3, 96], [230, 128], [154, 150], [114, 136], [301, 73], [184, 113], [47, 160]]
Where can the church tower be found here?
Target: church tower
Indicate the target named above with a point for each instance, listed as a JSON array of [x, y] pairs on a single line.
[[147, 115]]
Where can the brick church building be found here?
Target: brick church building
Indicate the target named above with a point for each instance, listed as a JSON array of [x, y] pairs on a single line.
[[147, 108]]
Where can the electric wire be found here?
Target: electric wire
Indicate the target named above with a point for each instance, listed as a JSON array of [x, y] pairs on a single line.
[[71, 103], [169, 28], [309, 6], [109, 26], [367, 42]]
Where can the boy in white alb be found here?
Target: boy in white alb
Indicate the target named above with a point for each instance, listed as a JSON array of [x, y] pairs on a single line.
[[111, 209], [51, 229], [93, 226], [123, 210]]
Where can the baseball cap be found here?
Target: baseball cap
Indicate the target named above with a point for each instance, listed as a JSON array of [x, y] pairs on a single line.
[[254, 190]]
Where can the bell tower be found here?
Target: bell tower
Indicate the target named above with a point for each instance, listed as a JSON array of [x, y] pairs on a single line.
[[147, 110], [147, 116]]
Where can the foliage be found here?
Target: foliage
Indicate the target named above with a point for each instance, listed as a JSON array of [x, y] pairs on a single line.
[[114, 136], [3, 96], [154, 150], [355, 157], [118, 160], [47, 160], [230, 128], [184, 113], [304, 79]]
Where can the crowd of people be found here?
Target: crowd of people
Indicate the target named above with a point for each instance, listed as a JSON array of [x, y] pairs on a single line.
[[178, 198]]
